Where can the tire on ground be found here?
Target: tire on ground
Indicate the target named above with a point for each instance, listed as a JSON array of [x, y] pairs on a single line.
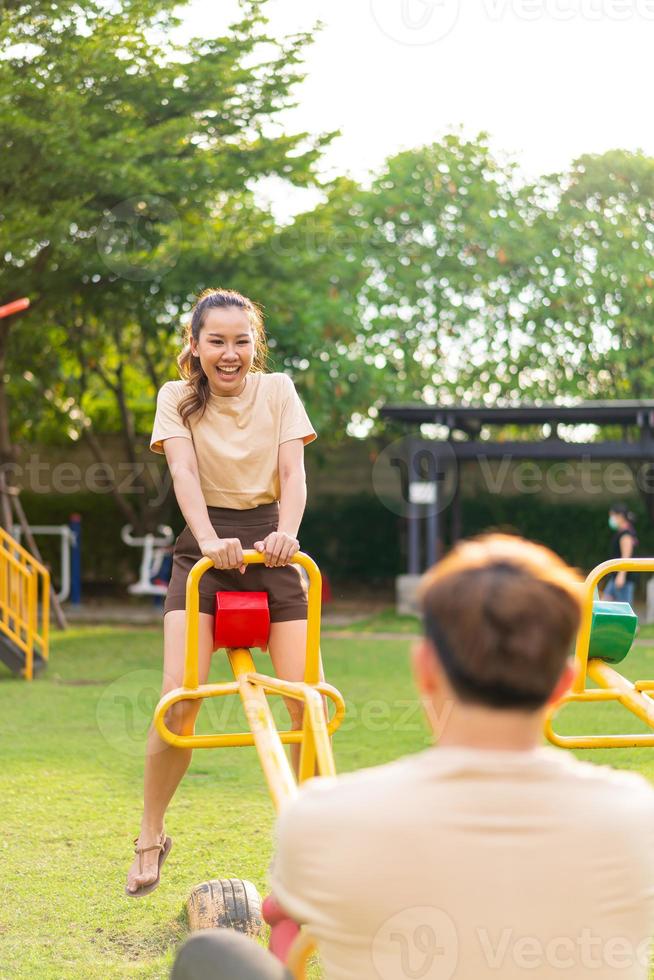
[[226, 903]]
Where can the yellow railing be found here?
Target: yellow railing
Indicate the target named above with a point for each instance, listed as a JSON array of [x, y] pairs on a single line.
[[612, 686], [24, 601]]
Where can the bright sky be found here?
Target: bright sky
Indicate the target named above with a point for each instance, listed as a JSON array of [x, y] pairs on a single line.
[[548, 79]]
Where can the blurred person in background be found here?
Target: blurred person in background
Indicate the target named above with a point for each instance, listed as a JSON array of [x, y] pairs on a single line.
[[624, 541]]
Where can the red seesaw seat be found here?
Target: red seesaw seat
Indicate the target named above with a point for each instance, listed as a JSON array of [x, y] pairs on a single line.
[[283, 929], [242, 620]]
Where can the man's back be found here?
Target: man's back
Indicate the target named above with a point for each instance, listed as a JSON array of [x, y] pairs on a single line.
[[461, 864]]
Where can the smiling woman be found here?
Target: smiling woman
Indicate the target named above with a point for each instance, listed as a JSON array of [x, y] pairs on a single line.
[[234, 438]]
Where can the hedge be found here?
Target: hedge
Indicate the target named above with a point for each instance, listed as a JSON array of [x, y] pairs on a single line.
[[354, 539], [576, 531]]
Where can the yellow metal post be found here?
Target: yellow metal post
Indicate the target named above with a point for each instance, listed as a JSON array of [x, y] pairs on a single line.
[[274, 762]]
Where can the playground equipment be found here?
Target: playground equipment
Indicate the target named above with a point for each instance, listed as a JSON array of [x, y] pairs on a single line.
[[17, 306], [24, 609], [25, 588], [605, 637], [154, 549], [242, 622], [69, 539]]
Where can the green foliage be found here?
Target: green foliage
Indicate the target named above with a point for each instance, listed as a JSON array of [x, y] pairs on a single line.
[[127, 187], [446, 280], [593, 278], [353, 539], [129, 184], [310, 277], [395, 285], [445, 231], [104, 111]]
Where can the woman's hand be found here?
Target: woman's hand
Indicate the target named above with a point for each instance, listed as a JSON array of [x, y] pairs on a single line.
[[224, 552], [279, 548]]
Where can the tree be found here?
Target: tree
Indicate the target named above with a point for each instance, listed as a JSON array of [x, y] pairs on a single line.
[[392, 287], [127, 187], [590, 303], [444, 247], [592, 275], [309, 276]]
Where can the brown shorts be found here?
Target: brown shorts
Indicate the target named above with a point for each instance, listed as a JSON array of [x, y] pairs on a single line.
[[286, 586]]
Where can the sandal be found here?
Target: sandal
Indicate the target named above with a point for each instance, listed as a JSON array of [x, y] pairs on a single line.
[[164, 846]]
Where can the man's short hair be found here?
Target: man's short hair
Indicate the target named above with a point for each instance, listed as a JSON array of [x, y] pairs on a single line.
[[502, 614]]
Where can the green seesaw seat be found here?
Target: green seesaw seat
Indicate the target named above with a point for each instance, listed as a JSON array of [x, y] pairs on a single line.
[[612, 631]]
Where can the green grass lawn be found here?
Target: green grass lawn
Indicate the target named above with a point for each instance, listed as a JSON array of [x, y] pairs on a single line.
[[70, 798], [70, 795], [386, 621]]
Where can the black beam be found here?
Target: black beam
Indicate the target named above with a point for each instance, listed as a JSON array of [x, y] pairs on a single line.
[[550, 449], [637, 413]]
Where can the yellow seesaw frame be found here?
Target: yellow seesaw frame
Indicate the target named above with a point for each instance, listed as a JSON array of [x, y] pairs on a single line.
[[612, 686], [316, 755]]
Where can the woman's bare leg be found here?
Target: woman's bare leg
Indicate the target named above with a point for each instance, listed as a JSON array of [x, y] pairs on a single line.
[[287, 646], [164, 764]]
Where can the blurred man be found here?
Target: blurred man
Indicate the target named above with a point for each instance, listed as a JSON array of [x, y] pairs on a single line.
[[487, 856]]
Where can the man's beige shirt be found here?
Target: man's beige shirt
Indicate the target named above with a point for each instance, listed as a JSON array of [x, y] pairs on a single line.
[[457, 864], [238, 438]]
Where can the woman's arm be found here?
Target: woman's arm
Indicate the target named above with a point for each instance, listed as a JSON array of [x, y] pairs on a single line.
[[293, 486], [282, 544], [183, 465]]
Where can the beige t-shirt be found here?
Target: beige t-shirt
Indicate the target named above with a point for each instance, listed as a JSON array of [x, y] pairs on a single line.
[[457, 864], [237, 439]]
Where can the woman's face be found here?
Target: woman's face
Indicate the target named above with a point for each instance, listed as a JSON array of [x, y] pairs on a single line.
[[226, 349]]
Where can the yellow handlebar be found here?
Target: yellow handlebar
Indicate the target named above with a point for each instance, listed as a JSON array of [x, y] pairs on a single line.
[[312, 668]]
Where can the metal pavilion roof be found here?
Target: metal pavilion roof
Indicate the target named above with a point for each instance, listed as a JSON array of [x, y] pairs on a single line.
[[470, 419], [640, 413]]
